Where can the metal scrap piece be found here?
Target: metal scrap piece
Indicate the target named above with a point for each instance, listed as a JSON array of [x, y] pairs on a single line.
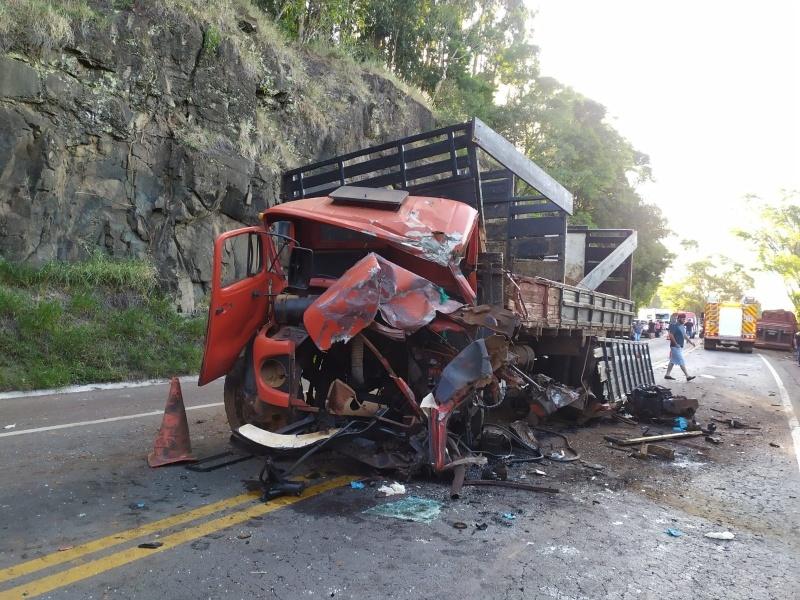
[[374, 285]]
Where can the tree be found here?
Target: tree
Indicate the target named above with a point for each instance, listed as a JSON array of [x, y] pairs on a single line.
[[707, 280], [477, 58], [777, 241]]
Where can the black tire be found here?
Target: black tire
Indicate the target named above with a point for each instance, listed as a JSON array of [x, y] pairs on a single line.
[[709, 345], [240, 407]]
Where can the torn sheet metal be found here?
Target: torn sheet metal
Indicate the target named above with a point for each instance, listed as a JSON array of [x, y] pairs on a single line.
[[468, 369], [556, 396], [343, 401], [405, 301], [494, 318], [278, 441], [436, 229]]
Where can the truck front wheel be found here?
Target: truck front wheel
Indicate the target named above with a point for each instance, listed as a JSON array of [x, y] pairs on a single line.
[[242, 408], [710, 344]]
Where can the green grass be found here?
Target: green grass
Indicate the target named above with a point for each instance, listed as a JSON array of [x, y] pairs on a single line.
[[99, 320], [37, 24]]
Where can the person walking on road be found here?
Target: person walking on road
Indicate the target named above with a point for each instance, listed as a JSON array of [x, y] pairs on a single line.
[[638, 327], [677, 338]]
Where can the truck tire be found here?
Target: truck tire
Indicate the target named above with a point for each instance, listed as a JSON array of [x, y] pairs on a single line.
[[240, 407], [709, 344], [746, 348]]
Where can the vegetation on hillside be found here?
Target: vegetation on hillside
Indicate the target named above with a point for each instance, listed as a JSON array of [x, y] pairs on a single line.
[[467, 57], [99, 320]]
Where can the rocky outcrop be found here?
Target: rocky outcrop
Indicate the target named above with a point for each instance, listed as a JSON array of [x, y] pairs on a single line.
[[149, 131]]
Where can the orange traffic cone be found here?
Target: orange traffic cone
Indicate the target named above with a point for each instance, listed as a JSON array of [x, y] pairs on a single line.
[[172, 444]]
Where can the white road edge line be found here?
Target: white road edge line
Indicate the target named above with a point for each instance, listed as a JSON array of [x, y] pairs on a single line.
[[98, 421], [794, 425], [92, 387]]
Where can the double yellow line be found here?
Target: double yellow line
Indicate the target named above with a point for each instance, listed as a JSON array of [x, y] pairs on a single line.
[[129, 555]]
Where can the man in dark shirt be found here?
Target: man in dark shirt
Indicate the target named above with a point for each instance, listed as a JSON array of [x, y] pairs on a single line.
[[677, 338]]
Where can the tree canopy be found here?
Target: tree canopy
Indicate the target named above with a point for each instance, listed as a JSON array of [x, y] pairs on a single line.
[[478, 58], [777, 240], [706, 279]]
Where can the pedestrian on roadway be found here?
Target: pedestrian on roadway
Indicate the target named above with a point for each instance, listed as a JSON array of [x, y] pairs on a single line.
[[677, 338], [797, 346], [638, 327]]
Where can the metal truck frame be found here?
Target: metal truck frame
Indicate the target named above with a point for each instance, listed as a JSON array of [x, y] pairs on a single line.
[[422, 311]]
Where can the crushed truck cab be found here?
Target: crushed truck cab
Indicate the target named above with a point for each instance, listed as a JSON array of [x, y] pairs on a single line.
[[414, 315]]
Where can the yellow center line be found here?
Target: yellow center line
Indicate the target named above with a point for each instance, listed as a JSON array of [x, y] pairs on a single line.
[[123, 557], [57, 558]]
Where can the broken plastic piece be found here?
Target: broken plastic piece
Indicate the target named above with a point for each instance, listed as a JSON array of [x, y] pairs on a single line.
[[357, 485], [720, 535], [674, 532], [392, 489], [269, 439]]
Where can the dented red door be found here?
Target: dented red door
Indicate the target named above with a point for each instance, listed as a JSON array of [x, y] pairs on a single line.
[[241, 288]]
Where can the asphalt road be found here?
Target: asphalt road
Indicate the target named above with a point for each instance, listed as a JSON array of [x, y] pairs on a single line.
[[76, 501]]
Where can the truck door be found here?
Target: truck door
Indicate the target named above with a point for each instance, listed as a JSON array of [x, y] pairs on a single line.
[[730, 321], [241, 285]]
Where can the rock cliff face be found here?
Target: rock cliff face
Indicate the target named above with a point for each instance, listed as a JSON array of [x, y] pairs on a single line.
[[150, 130]]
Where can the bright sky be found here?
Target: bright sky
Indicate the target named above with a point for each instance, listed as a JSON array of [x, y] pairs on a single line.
[[708, 89]]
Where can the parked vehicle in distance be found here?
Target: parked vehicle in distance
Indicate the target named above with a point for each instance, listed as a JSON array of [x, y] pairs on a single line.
[[730, 324], [776, 329]]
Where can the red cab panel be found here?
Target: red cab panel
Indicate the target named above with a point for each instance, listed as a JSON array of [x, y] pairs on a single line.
[[243, 281]]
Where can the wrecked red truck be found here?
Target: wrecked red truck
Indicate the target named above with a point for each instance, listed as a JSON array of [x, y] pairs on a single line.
[[407, 295]]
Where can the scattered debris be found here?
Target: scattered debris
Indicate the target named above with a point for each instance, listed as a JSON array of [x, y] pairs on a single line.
[[509, 516], [244, 535], [774, 445], [357, 485], [137, 506], [654, 450], [674, 532], [714, 439], [481, 526], [736, 424], [10, 426], [681, 424], [595, 466], [539, 472], [652, 438], [460, 525], [655, 402], [412, 508], [722, 412], [65, 548], [151, 545], [392, 489], [513, 484], [720, 535]]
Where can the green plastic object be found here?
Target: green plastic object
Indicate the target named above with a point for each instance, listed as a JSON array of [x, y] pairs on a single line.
[[419, 510]]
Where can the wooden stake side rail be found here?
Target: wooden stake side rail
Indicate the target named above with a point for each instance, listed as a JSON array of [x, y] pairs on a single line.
[[623, 365], [545, 304]]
